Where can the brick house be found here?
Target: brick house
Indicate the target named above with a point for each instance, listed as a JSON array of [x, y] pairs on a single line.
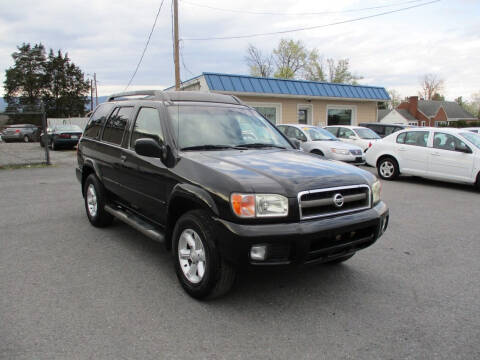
[[435, 113]]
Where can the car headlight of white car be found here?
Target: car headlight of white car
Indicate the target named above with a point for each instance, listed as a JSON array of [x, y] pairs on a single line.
[[259, 205], [376, 190], [340, 151]]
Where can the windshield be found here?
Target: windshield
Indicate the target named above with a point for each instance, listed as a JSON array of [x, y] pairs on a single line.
[[472, 137], [317, 134], [367, 134], [216, 127], [68, 128]]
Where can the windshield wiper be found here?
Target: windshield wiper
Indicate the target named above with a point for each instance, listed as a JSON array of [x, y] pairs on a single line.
[[261, 145], [212, 147]]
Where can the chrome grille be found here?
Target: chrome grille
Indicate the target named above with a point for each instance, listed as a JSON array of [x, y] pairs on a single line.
[[322, 202]]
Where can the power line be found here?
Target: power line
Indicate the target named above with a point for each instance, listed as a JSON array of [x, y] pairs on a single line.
[[262, 12], [146, 45], [310, 27]]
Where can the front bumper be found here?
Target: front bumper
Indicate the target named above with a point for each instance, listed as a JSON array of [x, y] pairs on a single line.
[[352, 159], [303, 242]]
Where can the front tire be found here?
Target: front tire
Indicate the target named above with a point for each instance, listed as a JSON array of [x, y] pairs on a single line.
[[199, 266], [388, 168], [95, 200], [52, 145], [26, 139]]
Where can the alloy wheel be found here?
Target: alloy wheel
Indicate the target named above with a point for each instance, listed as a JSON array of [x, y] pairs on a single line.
[[191, 255], [92, 200]]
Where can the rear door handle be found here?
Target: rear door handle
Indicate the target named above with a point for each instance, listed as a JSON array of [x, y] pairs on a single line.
[[402, 149], [435, 154], [123, 158]]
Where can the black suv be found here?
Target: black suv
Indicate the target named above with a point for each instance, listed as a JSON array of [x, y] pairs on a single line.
[[383, 130], [222, 187]]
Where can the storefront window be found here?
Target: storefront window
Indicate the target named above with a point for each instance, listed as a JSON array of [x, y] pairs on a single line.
[[270, 113], [339, 116]]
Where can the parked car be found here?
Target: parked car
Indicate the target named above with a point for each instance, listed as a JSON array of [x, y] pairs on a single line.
[[383, 130], [65, 136], [437, 153], [321, 142], [475, 130], [20, 132], [356, 135], [177, 167]]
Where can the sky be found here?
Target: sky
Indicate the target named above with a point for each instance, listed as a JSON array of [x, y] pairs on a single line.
[[394, 50]]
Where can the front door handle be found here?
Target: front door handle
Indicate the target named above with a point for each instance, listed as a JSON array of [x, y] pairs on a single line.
[[402, 149], [435, 154], [123, 158]]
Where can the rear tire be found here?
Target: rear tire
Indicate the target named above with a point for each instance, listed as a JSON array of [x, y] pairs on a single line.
[[95, 201], [387, 168], [202, 273]]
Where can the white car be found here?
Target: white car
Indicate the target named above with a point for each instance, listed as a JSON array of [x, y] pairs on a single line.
[[356, 135], [319, 141], [436, 153]]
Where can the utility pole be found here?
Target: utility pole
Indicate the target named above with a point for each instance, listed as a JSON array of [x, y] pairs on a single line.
[[91, 95], [96, 93], [175, 45]]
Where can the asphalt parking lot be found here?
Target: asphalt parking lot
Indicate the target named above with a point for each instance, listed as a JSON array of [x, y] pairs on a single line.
[[72, 291]]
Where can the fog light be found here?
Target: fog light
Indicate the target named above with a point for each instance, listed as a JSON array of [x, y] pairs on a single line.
[[258, 252]]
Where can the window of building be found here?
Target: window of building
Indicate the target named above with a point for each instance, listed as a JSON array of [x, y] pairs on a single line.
[[115, 125], [303, 116], [92, 130], [147, 125], [341, 115], [424, 123], [269, 113]]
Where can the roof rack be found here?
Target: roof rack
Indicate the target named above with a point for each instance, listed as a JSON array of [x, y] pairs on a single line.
[[155, 93], [171, 96]]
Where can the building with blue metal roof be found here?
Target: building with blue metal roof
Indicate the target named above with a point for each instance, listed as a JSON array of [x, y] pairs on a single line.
[[297, 101]]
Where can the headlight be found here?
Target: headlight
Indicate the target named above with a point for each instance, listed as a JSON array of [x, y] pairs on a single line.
[[259, 205], [376, 190], [340, 151]]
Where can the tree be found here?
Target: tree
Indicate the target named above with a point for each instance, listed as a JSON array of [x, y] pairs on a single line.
[[25, 80], [258, 63], [339, 72], [438, 97], [55, 80], [289, 57], [472, 106], [292, 60], [430, 84], [64, 93], [395, 98], [314, 68]]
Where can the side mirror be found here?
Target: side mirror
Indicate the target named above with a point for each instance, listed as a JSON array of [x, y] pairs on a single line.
[[352, 137], [296, 143], [149, 147], [463, 148]]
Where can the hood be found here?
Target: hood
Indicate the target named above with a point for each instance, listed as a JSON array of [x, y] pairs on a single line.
[[285, 172]]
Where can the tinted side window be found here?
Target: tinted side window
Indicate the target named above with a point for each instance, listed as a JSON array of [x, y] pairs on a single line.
[[115, 126], [416, 138], [379, 129], [447, 142], [97, 120], [390, 130], [147, 125], [401, 138], [345, 133]]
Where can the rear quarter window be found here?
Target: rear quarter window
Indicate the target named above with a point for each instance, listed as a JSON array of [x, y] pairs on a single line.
[[96, 122]]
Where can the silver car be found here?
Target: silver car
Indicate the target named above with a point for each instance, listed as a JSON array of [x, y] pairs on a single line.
[[321, 142]]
